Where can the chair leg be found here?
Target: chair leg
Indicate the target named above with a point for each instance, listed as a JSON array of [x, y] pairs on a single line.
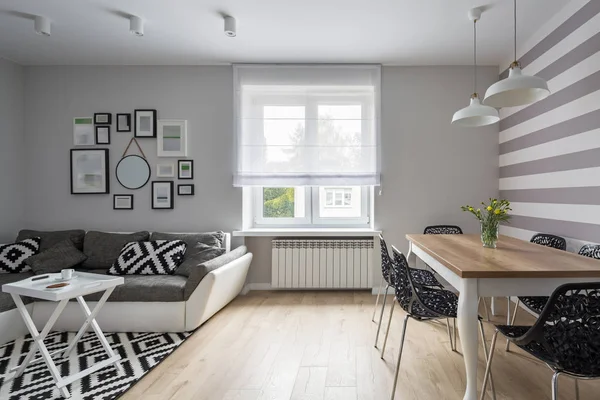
[[576, 389], [450, 334], [399, 356], [377, 299], [487, 312], [381, 315], [512, 322], [488, 366], [454, 334], [555, 386], [485, 353], [387, 331]]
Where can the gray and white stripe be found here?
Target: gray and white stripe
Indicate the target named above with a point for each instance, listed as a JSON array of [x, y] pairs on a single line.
[[550, 150]]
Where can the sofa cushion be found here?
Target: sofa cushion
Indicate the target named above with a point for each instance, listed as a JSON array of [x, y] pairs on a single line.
[[197, 255], [156, 257], [214, 239], [51, 238], [200, 271], [13, 256], [144, 288], [102, 248], [60, 256], [6, 301]]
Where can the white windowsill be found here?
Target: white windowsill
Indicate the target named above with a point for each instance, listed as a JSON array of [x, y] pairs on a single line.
[[339, 232]]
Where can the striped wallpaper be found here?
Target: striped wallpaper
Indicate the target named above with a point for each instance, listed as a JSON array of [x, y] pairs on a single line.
[[550, 150]]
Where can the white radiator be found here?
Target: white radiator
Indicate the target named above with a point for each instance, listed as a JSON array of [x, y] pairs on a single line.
[[322, 264]]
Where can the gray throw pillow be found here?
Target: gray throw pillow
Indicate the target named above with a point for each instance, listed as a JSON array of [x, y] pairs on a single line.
[[60, 256], [194, 256], [213, 239], [102, 248], [51, 238]]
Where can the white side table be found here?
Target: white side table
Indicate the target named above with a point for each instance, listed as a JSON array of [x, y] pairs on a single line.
[[84, 284]]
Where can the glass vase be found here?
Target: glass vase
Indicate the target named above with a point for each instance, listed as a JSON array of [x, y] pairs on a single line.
[[489, 234]]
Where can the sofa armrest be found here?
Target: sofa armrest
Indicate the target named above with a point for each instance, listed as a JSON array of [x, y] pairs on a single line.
[[203, 269]]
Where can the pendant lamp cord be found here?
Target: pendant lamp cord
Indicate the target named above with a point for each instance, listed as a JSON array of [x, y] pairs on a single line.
[[475, 57], [515, 16]]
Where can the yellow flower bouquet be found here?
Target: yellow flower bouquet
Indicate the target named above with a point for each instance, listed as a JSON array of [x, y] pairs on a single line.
[[490, 218]]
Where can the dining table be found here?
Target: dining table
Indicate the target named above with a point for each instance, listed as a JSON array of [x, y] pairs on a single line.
[[514, 268]]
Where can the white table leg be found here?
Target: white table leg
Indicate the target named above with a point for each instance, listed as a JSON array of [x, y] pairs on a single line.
[[88, 321], [411, 258], [493, 306], [469, 338], [508, 310], [38, 342], [99, 332]]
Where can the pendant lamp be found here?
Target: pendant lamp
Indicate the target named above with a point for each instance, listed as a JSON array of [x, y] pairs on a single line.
[[476, 114], [517, 89]]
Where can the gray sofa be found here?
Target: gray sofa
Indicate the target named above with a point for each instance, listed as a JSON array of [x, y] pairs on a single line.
[[144, 303]]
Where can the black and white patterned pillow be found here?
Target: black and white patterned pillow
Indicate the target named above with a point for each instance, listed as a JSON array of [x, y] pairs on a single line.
[[13, 256], [158, 257]]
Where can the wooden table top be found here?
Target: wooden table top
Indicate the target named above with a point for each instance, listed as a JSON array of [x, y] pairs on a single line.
[[513, 258]]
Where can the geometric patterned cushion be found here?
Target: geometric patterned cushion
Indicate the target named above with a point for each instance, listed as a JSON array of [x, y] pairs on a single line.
[[158, 257], [13, 256]]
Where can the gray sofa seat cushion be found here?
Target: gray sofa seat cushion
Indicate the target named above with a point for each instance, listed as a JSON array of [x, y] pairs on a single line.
[[6, 301], [213, 239], [52, 238], [144, 288], [102, 248], [200, 271], [60, 256]]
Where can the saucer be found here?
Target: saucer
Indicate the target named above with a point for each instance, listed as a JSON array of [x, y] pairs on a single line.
[[61, 279]]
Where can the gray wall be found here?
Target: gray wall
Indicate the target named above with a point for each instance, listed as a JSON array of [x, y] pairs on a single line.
[[12, 161], [200, 94], [550, 150], [429, 167]]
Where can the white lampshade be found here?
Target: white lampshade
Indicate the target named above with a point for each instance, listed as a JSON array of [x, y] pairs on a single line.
[[476, 114], [516, 90]]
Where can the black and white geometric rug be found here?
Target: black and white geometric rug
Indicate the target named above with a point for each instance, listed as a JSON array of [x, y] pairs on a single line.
[[140, 352]]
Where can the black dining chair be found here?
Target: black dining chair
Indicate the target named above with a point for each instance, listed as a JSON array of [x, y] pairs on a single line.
[[536, 303], [421, 303], [424, 278], [566, 336]]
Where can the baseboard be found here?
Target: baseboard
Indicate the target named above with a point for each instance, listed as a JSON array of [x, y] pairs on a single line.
[[267, 286]]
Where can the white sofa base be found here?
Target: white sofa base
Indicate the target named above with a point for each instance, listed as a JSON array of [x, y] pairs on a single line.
[[213, 293], [12, 325]]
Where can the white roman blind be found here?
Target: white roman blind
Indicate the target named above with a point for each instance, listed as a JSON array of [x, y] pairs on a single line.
[[307, 125]]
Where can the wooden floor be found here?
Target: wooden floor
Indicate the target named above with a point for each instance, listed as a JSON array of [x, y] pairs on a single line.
[[319, 346]]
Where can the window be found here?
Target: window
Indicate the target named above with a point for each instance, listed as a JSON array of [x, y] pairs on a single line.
[[307, 143]]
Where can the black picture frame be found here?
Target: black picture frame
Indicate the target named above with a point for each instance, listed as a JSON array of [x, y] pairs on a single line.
[[135, 123], [106, 170], [128, 117], [192, 193], [122, 208], [179, 162], [171, 185], [107, 121], [98, 127]]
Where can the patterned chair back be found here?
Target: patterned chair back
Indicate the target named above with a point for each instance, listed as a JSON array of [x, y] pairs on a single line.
[[386, 261], [569, 328], [590, 250], [443, 230], [548, 240]]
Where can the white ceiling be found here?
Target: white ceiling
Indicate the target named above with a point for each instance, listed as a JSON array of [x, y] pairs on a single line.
[[188, 32]]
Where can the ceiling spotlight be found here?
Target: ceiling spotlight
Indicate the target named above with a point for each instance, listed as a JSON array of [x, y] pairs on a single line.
[[136, 26], [42, 25], [230, 26]]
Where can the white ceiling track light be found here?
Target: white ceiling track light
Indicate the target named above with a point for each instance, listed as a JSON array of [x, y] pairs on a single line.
[[476, 114], [517, 89], [136, 26], [42, 26], [230, 26]]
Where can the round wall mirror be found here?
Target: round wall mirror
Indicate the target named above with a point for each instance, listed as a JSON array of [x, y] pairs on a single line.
[[133, 172]]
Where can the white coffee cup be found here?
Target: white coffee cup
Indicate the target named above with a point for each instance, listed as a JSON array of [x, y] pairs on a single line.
[[67, 273]]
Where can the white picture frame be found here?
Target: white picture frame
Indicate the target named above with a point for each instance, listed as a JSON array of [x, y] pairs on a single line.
[[83, 131], [172, 138], [165, 170]]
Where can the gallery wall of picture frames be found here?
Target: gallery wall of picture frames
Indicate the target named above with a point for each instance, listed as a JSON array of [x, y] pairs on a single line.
[[90, 169]]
